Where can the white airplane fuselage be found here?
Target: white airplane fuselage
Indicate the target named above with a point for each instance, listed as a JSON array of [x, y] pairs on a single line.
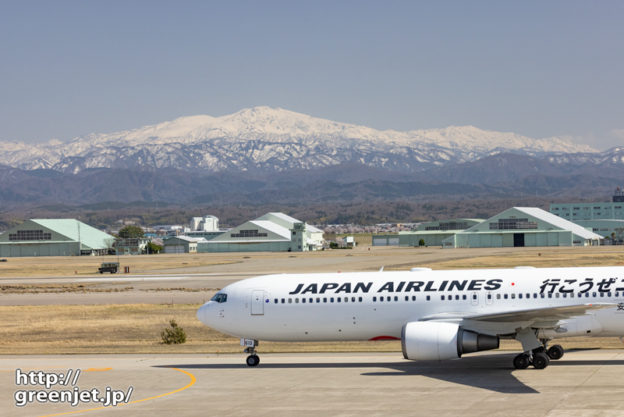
[[377, 305]]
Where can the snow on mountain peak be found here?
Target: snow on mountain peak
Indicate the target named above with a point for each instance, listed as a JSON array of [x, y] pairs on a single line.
[[264, 135]]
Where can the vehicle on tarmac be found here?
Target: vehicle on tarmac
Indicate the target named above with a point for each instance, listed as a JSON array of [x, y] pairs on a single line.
[[111, 267], [437, 315]]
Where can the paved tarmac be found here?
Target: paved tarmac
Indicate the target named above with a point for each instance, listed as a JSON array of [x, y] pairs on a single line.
[[583, 383]]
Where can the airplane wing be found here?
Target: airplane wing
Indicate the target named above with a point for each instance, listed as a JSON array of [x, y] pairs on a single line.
[[541, 314], [505, 322]]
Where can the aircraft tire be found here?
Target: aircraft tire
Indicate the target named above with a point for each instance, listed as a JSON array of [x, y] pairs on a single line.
[[540, 360], [555, 352], [522, 361], [253, 360]]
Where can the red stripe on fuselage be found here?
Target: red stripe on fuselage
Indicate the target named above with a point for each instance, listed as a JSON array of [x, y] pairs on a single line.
[[376, 338]]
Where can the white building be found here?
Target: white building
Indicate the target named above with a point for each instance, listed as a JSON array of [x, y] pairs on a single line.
[[273, 232], [207, 223]]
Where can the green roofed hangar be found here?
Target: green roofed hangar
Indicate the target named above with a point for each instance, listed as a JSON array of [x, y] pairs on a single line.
[[54, 237], [523, 226]]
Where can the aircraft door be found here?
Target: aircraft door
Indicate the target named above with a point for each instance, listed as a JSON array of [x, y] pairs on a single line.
[[257, 303], [474, 298]]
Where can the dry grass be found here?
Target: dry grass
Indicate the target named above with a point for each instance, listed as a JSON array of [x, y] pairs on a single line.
[[131, 328], [136, 329], [56, 266]]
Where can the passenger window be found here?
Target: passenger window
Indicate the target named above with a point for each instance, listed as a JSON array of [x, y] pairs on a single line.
[[407, 298], [276, 300], [506, 296], [296, 301], [303, 300], [290, 301], [283, 300], [360, 299], [374, 299], [428, 298], [498, 296], [489, 296], [442, 297], [337, 299], [396, 298], [346, 299], [331, 300], [318, 300], [457, 297], [324, 299], [413, 298], [520, 296], [464, 296]]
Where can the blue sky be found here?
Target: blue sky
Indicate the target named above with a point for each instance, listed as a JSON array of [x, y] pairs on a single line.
[[539, 68]]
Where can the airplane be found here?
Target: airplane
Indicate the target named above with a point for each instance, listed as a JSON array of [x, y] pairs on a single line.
[[437, 315]]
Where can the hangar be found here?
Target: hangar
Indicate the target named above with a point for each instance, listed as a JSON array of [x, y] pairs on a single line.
[[54, 237], [523, 226], [433, 233], [272, 232]]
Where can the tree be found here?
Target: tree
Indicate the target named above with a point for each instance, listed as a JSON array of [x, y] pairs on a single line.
[[153, 248], [131, 232]]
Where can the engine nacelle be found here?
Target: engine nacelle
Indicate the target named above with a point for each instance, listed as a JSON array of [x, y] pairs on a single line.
[[430, 340]]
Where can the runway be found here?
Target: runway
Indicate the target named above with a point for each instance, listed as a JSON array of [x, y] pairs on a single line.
[[583, 383]]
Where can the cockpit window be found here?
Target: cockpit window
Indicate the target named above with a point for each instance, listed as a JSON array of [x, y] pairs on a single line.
[[219, 297]]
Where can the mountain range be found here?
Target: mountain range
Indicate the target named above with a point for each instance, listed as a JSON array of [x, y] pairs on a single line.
[[264, 153]]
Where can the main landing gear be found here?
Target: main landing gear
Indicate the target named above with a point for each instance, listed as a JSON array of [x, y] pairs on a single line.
[[540, 358], [250, 347]]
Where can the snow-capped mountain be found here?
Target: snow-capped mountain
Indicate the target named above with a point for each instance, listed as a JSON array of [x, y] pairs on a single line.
[[274, 139]]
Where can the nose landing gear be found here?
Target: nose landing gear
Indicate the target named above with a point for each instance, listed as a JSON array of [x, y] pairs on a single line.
[[250, 347]]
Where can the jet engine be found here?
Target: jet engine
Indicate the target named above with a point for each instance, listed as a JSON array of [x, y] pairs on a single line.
[[430, 340]]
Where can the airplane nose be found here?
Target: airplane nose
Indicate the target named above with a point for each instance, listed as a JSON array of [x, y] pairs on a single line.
[[203, 313]]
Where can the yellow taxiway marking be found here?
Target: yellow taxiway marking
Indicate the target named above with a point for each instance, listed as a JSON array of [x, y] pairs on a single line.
[[190, 384]]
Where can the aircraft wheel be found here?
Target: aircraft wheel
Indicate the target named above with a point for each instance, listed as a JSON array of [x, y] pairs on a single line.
[[521, 361], [555, 352], [540, 360], [253, 360]]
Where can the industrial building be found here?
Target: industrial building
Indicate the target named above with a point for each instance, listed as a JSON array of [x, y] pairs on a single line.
[[523, 226], [433, 233], [182, 244], [206, 227], [131, 245], [273, 232], [54, 237], [603, 218]]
